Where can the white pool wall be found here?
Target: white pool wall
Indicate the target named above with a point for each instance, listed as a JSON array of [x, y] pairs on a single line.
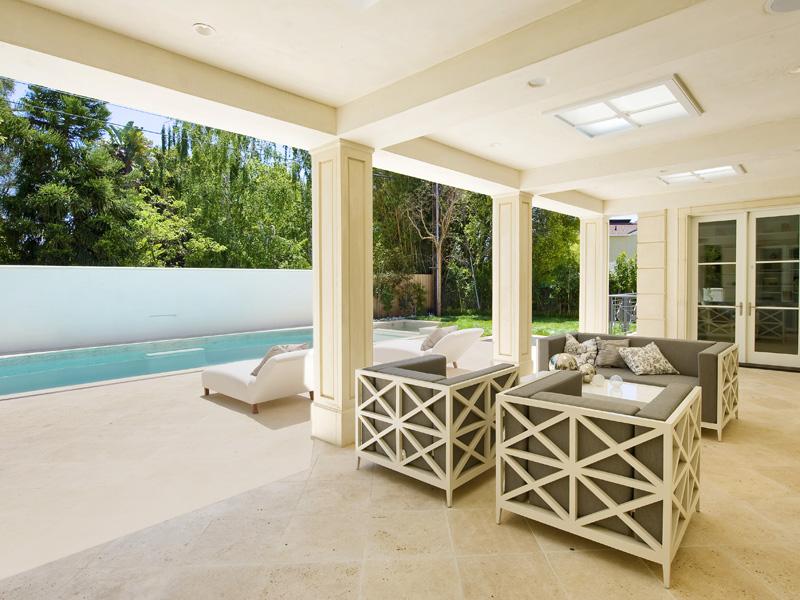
[[52, 308]]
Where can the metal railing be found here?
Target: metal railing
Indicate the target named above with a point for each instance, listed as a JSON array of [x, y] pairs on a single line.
[[621, 313]]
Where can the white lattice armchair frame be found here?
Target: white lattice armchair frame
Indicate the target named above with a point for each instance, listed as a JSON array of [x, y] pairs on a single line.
[[440, 431], [727, 390], [669, 492]]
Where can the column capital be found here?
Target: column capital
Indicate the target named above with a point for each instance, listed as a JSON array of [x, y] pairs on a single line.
[[342, 144], [524, 196]]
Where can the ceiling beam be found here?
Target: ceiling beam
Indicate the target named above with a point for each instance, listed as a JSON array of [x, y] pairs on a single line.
[[43, 47], [431, 160], [682, 155], [463, 87], [577, 204]]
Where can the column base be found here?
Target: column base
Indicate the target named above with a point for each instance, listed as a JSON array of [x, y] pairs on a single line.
[[333, 425]]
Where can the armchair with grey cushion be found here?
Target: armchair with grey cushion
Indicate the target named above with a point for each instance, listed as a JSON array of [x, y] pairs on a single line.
[[714, 366], [414, 419], [622, 473]]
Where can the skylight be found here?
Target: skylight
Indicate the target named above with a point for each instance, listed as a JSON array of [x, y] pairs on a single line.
[[702, 175], [645, 105]]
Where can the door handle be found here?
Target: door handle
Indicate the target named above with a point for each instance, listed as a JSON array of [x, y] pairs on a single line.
[[740, 306], [749, 308]]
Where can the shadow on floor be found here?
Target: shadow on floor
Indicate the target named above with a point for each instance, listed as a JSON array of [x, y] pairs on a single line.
[[275, 414]]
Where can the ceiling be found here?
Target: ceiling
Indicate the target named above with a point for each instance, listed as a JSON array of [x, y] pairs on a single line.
[[441, 88], [332, 51]]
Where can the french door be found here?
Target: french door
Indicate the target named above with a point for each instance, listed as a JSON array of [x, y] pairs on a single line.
[[746, 284], [773, 303]]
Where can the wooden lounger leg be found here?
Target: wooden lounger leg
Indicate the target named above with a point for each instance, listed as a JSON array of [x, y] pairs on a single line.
[[455, 365], [255, 409], [205, 391], [311, 395]]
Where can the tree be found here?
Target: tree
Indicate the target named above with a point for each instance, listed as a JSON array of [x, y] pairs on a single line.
[[433, 222], [67, 204], [622, 278], [556, 262]]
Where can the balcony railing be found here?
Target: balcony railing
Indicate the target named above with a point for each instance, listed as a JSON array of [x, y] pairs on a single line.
[[621, 313]]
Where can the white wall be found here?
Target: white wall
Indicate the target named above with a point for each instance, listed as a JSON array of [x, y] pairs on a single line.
[[46, 308]]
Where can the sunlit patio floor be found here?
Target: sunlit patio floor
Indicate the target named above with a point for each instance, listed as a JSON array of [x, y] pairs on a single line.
[[326, 530]]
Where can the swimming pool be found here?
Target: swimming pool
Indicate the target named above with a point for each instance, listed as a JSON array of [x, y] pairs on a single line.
[[43, 370]]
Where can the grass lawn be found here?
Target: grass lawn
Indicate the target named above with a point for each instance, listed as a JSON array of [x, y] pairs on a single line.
[[541, 325]]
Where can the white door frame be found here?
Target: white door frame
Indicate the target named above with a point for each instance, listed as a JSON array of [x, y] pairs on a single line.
[[765, 358], [741, 274]]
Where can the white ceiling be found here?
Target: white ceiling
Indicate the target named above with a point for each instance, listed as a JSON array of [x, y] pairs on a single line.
[[447, 81], [332, 51]]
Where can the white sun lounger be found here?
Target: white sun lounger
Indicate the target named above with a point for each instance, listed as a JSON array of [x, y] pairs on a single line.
[[452, 346], [286, 374]]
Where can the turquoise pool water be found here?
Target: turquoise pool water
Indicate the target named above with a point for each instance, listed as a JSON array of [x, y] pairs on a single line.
[[42, 370]]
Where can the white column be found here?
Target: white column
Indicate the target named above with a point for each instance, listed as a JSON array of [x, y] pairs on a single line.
[[593, 300], [651, 274], [342, 255], [511, 280]]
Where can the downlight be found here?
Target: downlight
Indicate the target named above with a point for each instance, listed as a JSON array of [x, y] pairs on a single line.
[[203, 29]]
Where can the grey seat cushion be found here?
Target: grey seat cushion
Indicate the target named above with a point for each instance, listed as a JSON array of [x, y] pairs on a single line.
[[563, 382], [663, 405], [430, 363], [660, 380]]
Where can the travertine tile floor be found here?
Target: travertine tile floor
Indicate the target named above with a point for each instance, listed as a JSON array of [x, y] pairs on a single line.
[[333, 532]]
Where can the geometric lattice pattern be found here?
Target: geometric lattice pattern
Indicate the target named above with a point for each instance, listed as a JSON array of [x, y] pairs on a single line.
[[727, 389], [441, 434], [620, 480]]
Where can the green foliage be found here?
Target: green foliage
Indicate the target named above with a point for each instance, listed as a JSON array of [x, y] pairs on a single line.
[[556, 263], [542, 324], [77, 190], [622, 278]]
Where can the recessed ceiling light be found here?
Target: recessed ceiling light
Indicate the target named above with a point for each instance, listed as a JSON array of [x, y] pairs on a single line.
[[203, 29], [781, 6], [631, 109], [703, 175], [795, 71], [538, 82], [495, 145]]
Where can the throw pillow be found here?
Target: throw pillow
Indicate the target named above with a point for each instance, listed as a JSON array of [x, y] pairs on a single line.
[[274, 351], [647, 361], [584, 353], [608, 353], [563, 362], [436, 335]]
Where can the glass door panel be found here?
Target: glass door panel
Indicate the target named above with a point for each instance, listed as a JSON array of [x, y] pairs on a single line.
[[774, 304], [718, 262]]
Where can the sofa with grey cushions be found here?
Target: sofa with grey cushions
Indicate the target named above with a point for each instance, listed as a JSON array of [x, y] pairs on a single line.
[[619, 472], [714, 366], [412, 418]]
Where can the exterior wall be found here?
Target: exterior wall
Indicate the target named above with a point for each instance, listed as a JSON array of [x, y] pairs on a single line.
[[664, 255], [651, 257], [48, 308]]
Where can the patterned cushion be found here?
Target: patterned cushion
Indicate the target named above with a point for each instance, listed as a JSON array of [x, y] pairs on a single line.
[[563, 362], [584, 353], [608, 353], [647, 361]]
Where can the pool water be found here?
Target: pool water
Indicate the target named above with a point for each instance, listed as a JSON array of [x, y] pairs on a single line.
[[42, 370]]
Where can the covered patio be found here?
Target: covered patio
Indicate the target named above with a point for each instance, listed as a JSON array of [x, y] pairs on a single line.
[[525, 103]]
